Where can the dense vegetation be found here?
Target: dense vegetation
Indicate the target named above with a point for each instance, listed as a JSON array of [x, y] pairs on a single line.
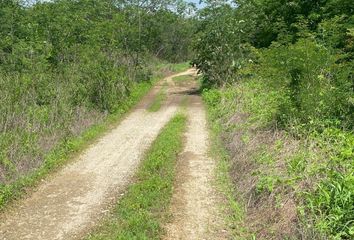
[[283, 72], [66, 65]]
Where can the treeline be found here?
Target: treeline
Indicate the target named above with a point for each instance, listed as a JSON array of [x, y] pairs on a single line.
[[286, 68], [66, 64]]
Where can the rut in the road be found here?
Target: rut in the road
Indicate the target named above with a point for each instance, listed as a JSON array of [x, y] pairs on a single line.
[[74, 199], [195, 203]]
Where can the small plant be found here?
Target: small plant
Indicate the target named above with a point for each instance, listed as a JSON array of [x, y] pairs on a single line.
[[267, 184], [264, 157], [297, 164]]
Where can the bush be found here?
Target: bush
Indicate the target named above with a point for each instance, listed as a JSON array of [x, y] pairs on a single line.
[[315, 86]]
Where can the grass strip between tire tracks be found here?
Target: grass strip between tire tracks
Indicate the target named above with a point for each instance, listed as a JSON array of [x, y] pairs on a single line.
[[140, 212]]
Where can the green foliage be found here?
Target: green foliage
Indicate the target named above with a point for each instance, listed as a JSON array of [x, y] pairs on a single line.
[[332, 199], [140, 213], [267, 183], [313, 87], [296, 165], [177, 67], [333, 202], [217, 45]]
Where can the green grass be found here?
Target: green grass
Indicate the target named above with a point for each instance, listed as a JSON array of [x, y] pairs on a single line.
[[142, 210], [66, 150], [159, 99], [178, 67], [183, 79]]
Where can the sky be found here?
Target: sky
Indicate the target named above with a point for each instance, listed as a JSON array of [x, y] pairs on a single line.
[[197, 3]]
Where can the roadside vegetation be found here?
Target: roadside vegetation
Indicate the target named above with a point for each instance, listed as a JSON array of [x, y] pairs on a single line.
[[143, 209], [232, 208], [69, 67], [179, 67], [278, 79]]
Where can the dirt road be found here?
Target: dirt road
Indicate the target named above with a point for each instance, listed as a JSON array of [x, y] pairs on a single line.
[[74, 199]]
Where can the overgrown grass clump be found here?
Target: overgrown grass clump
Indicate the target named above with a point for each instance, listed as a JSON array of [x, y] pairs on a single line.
[[140, 213]]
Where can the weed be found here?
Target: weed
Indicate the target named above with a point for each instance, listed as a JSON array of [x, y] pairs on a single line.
[[297, 163], [267, 183]]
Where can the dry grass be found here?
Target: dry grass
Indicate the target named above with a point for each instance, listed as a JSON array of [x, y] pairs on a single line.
[[24, 159], [268, 214]]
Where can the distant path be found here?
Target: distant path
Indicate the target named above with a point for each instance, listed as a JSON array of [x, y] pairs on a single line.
[[73, 200]]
